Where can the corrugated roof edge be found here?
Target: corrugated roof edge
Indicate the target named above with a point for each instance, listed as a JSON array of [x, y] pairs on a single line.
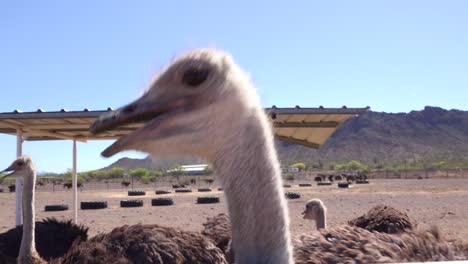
[[86, 113]]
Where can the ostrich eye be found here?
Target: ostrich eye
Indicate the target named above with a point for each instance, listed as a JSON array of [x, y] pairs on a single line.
[[193, 77], [20, 163]]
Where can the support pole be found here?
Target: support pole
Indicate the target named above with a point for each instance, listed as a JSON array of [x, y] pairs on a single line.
[[75, 185], [19, 180]]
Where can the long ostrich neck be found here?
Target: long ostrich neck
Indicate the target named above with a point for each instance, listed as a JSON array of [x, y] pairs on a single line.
[[28, 248], [249, 170], [321, 220]]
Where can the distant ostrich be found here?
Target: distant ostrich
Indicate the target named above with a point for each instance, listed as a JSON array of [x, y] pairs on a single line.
[[125, 184], [51, 238], [330, 178], [350, 178], [69, 185], [352, 244], [318, 179], [188, 111], [338, 178]]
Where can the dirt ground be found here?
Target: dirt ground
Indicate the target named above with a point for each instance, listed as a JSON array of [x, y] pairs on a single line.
[[431, 201]]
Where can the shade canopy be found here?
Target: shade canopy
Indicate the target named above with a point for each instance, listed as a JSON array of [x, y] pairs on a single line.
[[306, 126]]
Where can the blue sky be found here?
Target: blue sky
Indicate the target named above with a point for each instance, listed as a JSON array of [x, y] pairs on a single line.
[[395, 56]]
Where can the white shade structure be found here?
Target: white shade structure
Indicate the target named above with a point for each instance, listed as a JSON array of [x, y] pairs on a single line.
[[306, 126]]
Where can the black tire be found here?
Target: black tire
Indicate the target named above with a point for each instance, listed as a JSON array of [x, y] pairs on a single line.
[[204, 189], [362, 182], [292, 195], [183, 190], [162, 201], [56, 207], [286, 185], [93, 205], [136, 193], [343, 185], [220, 189], [162, 192], [323, 183], [207, 200], [131, 203], [305, 184], [177, 186]]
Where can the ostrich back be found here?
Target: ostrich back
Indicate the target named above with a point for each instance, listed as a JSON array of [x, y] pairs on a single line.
[[384, 218], [145, 244], [53, 238], [348, 244]]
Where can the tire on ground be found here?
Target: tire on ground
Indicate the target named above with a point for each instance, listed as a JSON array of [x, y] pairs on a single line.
[[204, 189], [162, 192], [343, 185], [93, 205], [362, 182], [292, 195], [286, 185], [162, 201], [305, 184], [131, 203], [183, 190], [323, 183], [207, 200], [55, 207], [136, 193]]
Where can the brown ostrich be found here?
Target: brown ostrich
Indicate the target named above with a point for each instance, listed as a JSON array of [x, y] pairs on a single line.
[[385, 219], [125, 184], [352, 244], [218, 229]]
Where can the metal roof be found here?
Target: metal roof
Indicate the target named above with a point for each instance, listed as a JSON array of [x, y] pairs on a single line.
[[305, 126]]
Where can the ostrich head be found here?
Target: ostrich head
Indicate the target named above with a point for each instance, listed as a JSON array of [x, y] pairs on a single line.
[[185, 108], [22, 166], [316, 211]]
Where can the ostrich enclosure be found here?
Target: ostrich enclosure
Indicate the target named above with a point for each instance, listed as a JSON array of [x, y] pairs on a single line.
[[428, 201]]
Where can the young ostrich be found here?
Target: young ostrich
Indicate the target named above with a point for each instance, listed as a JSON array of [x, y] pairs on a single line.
[[354, 244], [204, 105]]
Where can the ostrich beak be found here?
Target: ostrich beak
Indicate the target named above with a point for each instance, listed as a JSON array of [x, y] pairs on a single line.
[[145, 109], [10, 172]]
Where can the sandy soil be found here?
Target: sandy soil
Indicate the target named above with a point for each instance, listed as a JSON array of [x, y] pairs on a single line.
[[433, 201]]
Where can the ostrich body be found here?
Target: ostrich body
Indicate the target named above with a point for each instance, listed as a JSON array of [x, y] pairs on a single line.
[[385, 219], [53, 238], [204, 105], [353, 244]]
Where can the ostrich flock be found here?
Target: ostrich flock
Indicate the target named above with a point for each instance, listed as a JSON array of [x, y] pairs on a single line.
[[204, 104]]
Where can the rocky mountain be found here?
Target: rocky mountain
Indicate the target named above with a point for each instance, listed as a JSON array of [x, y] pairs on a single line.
[[375, 137]]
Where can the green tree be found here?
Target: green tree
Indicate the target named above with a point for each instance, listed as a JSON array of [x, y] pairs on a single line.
[[116, 172], [139, 173], [354, 165], [177, 171], [301, 166]]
